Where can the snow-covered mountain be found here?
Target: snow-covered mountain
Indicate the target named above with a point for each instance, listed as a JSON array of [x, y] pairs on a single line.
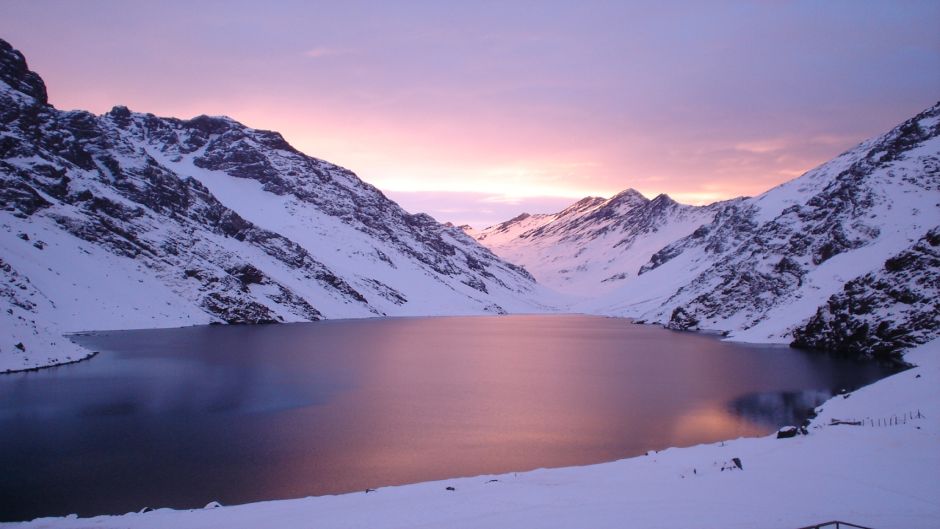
[[596, 244], [129, 220], [765, 265]]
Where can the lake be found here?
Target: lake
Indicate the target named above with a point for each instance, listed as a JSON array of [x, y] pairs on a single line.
[[181, 417]]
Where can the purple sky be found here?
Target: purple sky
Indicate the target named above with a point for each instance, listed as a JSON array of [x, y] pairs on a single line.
[[477, 111]]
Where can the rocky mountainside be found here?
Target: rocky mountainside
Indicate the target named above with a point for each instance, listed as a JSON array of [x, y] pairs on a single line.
[[130, 220], [884, 312], [763, 266], [596, 244]]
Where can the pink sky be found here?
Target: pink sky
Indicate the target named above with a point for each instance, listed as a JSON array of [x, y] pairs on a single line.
[[477, 112]]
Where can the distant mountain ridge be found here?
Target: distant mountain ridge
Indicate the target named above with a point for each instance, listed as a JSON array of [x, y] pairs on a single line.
[[792, 264], [595, 244], [130, 220]]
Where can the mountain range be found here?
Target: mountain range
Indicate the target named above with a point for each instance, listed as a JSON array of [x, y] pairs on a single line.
[[845, 257], [129, 220]]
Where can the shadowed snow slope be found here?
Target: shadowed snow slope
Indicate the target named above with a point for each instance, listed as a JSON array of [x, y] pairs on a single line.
[[129, 220]]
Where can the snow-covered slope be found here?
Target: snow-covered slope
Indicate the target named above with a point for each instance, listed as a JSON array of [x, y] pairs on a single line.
[[129, 220], [764, 265], [594, 245]]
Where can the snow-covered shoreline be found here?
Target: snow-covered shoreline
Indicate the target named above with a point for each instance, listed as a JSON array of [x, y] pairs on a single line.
[[877, 476]]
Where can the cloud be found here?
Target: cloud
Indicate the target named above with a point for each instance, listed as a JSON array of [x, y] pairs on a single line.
[[324, 51], [762, 146]]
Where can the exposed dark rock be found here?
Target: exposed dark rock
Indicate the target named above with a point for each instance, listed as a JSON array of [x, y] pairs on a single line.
[[787, 432], [884, 312], [247, 274], [15, 72], [682, 320]]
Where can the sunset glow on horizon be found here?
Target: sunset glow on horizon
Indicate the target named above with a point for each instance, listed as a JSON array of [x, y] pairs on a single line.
[[475, 113]]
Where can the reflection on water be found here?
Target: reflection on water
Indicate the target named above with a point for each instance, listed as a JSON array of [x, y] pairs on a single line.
[[181, 417], [778, 408]]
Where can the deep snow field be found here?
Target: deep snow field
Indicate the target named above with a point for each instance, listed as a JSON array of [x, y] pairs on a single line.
[[881, 476]]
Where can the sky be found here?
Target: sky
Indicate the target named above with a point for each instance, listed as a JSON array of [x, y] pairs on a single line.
[[477, 111]]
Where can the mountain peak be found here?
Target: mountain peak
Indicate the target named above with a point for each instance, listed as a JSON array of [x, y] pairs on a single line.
[[628, 196], [15, 73], [120, 111], [583, 204], [211, 124], [663, 199]]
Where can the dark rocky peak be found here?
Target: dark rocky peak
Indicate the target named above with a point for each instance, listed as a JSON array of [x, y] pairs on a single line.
[[211, 124], [15, 73], [503, 226], [662, 200], [120, 115], [584, 204], [630, 197], [618, 205], [905, 136], [421, 219], [232, 130], [120, 111]]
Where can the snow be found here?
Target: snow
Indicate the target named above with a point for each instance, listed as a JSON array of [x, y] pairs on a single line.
[[76, 288], [594, 245], [876, 476], [351, 251]]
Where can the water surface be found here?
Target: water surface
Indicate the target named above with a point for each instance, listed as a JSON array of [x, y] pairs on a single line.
[[181, 417]]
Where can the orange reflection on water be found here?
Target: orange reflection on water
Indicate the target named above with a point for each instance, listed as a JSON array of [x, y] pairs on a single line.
[[711, 423]]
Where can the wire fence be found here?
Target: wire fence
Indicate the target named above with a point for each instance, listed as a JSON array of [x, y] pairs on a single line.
[[876, 422]]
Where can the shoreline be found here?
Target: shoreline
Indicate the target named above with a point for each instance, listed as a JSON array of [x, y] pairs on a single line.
[[588, 470], [886, 477], [90, 355]]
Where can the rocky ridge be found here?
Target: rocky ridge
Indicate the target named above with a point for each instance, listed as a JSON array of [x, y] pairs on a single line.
[[763, 266], [596, 244]]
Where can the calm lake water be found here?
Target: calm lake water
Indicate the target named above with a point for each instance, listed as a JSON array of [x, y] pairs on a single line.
[[181, 417]]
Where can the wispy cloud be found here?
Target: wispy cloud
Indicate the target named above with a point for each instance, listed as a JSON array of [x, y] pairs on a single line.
[[762, 146], [325, 51]]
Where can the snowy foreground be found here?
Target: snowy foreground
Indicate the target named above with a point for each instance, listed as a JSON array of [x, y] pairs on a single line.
[[877, 476]]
